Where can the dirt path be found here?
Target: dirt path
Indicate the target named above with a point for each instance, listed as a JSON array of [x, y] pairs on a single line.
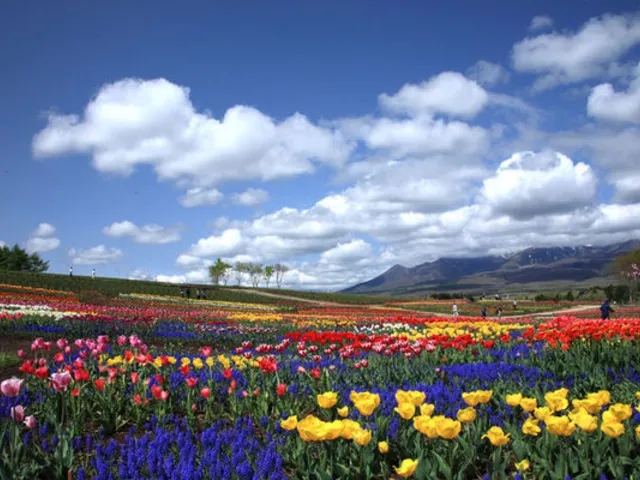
[[550, 313]]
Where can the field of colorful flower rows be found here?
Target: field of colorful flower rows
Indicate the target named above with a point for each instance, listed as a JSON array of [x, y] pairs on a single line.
[[160, 388]]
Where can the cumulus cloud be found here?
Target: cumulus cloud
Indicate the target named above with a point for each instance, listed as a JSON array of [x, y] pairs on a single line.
[[488, 73], [606, 104], [571, 57], [529, 184], [424, 177], [197, 196], [135, 122], [99, 255], [251, 197], [149, 234], [540, 22], [449, 93], [42, 239]]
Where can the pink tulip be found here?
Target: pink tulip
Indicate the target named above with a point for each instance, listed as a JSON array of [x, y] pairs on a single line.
[[11, 387], [103, 339], [61, 381], [61, 343], [122, 340], [30, 421], [21, 353], [17, 413], [79, 343]]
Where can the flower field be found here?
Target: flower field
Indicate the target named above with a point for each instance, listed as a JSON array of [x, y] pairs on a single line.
[[152, 387]]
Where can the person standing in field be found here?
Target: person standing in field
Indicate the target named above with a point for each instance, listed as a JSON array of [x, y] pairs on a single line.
[[499, 311], [455, 310], [93, 273], [515, 304], [71, 270], [606, 310], [483, 312]]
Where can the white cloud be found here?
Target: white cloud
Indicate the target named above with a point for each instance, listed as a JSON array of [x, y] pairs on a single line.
[[95, 255], [229, 243], [2, 244], [149, 234], [449, 93], [251, 197], [347, 252], [571, 57], [540, 22], [195, 276], [529, 184], [607, 104], [42, 240], [139, 274], [197, 196], [44, 230], [135, 122], [488, 73]]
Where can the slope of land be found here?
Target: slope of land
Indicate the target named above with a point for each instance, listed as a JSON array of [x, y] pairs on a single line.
[[529, 270]]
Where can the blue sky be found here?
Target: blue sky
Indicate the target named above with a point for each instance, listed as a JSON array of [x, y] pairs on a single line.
[[282, 133]]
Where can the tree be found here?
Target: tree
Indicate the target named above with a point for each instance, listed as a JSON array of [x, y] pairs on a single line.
[[628, 267], [218, 271], [255, 272], [240, 269], [268, 273], [280, 270], [17, 258]]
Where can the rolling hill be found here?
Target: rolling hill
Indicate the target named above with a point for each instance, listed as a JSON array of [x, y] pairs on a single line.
[[531, 269]]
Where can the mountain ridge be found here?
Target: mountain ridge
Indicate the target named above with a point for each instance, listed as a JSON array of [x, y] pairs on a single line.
[[529, 267]]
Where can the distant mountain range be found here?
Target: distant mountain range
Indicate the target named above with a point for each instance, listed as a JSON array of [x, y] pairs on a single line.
[[529, 270]]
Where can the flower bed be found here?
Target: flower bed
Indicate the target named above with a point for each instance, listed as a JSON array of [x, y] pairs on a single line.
[[213, 397]]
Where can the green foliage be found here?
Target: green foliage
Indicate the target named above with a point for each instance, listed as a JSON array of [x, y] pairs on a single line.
[[219, 271], [569, 296], [116, 286], [17, 259]]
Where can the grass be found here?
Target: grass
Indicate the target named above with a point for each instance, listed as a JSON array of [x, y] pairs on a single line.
[[8, 360], [346, 298]]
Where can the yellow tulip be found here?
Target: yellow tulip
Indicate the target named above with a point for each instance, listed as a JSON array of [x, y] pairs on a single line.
[[556, 402], [448, 428], [406, 410], [621, 411], [560, 425], [542, 413], [343, 412], [612, 429], [426, 425], [497, 437], [585, 421], [328, 399], [290, 423], [427, 409], [514, 399], [530, 427], [383, 447], [523, 465], [310, 429], [363, 437], [406, 468], [365, 402], [638, 431], [349, 429], [466, 415], [529, 404]]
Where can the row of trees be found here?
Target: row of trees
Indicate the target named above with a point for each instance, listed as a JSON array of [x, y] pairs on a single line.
[[221, 272], [17, 259]]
